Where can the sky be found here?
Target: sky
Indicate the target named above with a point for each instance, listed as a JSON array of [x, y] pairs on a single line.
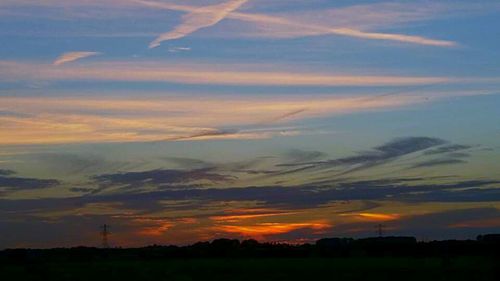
[[179, 121]]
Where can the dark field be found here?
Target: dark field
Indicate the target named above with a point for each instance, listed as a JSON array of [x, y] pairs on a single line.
[[379, 268], [383, 258]]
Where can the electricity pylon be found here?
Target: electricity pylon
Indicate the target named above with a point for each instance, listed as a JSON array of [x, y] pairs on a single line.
[[380, 229], [104, 235]]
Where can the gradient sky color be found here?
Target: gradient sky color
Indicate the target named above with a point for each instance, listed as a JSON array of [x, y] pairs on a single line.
[[180, 121]]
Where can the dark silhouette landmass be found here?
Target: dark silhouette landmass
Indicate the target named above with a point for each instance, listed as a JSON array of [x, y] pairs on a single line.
[[380, 258]]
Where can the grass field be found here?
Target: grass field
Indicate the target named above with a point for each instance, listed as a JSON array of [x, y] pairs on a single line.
[[459, 268]]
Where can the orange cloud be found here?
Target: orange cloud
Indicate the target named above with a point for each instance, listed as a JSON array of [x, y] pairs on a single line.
[[375, 216], [73, 56], [156, 227], [260, 230], [240, 217], [260, 222]]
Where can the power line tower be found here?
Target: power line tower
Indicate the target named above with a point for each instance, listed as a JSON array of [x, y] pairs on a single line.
[[104, 236], [380, 229]]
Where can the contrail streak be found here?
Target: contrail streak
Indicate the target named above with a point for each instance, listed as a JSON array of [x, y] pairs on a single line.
[[265, 19], [197, 19]]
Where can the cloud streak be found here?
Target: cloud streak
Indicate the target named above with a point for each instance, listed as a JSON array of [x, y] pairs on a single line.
[[448, 149], [199, 18], [348, 32], [439, 162], [309, 29], [201, 74], [160, 178], [10, 183], [73, 56], [177, 118], [70, 120], [379, 155]]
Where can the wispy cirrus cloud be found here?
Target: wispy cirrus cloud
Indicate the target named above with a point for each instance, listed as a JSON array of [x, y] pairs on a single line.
[[73, 56], [414, 152], [199, 18], [202, 74], [160, 178], [449, 149], [358, 21], [439, 162], [377, 156], [313, 29], [178, 118], [300, 28], [69, 120], [179, 49]]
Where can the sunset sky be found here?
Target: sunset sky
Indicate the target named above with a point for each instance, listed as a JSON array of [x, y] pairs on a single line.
[[176, 121]]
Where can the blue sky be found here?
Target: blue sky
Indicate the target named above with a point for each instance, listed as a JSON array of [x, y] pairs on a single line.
[[178, 121]]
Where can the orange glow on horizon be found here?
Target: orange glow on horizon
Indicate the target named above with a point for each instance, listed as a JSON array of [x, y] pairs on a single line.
[[376, 216], [489, 222], [237, 218], [157, 228], [260, 230]]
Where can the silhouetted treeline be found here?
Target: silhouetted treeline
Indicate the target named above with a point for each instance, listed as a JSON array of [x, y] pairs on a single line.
[[484, 245]]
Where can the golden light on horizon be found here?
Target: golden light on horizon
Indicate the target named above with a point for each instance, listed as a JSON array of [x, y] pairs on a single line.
[[260, 230]]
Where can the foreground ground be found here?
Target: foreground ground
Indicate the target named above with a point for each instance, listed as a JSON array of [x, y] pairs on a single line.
[[354, 268], [372, 259]]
